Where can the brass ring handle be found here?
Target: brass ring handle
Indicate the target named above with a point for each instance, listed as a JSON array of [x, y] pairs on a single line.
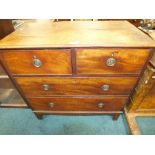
[[105, 87], [111, 62], [36, 62], [51, 104], [100, 105], [45, 87]]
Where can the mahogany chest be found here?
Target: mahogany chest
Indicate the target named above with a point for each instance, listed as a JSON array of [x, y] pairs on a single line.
[[76, 67]]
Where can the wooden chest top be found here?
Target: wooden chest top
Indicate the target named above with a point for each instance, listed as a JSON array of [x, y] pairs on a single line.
[[44, 34]]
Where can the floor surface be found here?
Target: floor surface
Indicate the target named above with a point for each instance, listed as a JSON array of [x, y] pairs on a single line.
[[24, 122], [146, 125]]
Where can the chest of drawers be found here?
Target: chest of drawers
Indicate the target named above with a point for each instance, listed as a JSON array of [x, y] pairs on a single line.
[[76, 67]]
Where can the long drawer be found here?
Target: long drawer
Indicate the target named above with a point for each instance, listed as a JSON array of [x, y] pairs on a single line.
[[110, 61], [56, 62], [78, 104], [48, 86]]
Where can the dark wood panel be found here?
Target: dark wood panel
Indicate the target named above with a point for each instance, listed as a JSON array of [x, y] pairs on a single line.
[[6, 27], [94, 61], [52, 61], [34, 86], [78, 104]]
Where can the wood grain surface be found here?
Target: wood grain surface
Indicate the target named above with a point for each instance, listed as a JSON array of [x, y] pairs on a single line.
[[128, 61], [143, 92], [74, 69], [33, 86], [46, 33], [148, 103], [78, 103], [53, 61]]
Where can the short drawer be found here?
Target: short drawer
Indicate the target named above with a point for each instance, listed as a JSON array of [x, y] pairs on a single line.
[[110, 61], [78, 104], [48, 86], [38, 61]]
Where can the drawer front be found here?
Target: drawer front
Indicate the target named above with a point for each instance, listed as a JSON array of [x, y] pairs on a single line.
[[78, 104], [48, 86], [38, 61], [111, 61]]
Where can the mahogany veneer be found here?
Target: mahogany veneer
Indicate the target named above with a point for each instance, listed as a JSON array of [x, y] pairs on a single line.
[[53, 61], [34, 86], [93, 61], [76, 67], [78, 103]]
